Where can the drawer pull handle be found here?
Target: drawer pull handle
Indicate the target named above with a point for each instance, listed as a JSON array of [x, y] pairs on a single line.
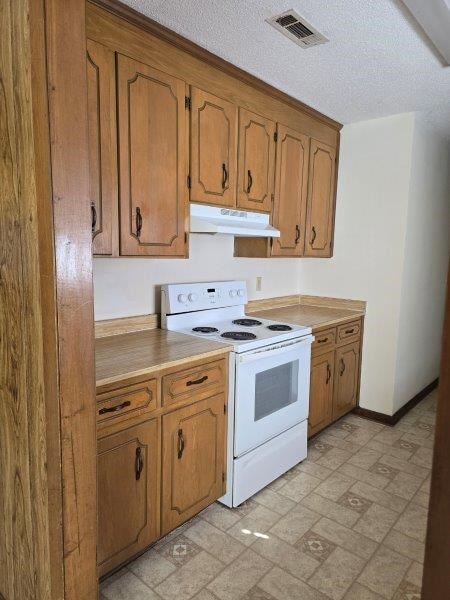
[[110, 409], [342, 367], [297, 234], [224, 176], [322, 340], [350, 330], [138, 463], [181, 443], [197, 381], [328, 374]]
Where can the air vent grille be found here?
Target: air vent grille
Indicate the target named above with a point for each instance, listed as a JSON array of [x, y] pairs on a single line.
[[297, 29]]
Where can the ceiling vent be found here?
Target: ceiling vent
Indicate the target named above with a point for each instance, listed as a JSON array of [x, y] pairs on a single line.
[[297, 29]]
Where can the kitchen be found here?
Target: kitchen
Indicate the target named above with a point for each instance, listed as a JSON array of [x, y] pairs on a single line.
[[264, 391]]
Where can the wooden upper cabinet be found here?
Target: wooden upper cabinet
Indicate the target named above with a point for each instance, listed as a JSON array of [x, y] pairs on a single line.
[[256, 161], [193, 460], [152, 161], [213, 149], [101, 87], [128, 498], [291, 181], [321, 392], [346, 377], [321, 196]]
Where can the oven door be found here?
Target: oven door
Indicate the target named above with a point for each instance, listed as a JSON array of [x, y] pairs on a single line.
[[272, 392]]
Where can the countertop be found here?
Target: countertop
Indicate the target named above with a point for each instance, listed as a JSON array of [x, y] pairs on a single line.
[[124, 356], [317, 317]]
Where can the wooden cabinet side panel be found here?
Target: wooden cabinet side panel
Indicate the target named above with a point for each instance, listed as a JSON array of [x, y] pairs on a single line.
[[101, 84], [213, 149], [153, 161], [256, 161], [291, 178], [321, 200]]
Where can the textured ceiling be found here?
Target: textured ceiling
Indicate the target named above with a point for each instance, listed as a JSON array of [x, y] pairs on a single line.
[[377, 63]]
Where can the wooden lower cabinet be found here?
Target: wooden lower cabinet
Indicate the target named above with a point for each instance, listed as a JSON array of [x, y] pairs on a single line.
[[321, 392], [193, 460], [346, 377], [128, 505]]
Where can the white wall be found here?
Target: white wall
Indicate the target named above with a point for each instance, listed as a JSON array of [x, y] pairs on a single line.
[[372, 197], [129, 286], [426, 254]]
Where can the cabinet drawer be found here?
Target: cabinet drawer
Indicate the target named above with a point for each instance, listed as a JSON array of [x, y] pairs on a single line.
[[349, 332], [196, 382], [130, 401], [324, 340]]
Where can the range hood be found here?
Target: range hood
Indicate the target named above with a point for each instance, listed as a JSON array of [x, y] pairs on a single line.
[[231, 221]]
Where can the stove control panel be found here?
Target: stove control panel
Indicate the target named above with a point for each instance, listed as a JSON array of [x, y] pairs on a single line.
[[188, 297]]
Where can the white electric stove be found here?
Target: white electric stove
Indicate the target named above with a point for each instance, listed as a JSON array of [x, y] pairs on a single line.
[[269, 380]]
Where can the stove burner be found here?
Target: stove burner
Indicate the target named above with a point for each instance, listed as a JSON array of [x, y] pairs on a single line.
[[239, 335], [279, 327], [247, 322], [205, 329]]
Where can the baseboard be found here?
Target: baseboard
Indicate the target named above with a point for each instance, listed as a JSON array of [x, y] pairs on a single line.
[[395, 418]]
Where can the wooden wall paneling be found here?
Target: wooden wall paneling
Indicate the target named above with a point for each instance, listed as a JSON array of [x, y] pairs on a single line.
[[436, 575], [256, 162], [291, 181], [30, 499], [66, 63], [153, 164], [213, 149], [101, 85], [181, 58]]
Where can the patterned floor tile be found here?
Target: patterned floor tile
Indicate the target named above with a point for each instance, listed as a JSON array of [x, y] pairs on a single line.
[[315, 545], [407, 591], [361, 505], [406, 445], [179, 551], [256, 593], [384, 470]]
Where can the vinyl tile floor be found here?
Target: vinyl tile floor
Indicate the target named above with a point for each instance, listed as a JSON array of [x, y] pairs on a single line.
[[349, 523]]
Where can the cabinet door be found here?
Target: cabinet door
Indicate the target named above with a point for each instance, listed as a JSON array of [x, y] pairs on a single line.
[[321, 392], [127, 493], [152, 154], [193, 460], [213, 149], [320, 208], [101, 87], [346, 377], [290, 192], [256, 161]]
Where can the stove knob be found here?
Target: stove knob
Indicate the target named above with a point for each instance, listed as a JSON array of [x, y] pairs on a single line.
[[232, 293], [240, 293], [182, 298], [192, 297]]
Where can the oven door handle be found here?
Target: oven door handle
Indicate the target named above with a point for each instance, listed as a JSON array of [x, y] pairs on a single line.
[[282, 348]]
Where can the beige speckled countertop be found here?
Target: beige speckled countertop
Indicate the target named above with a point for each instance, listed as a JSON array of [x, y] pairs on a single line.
[[129, 355], [317, 317]]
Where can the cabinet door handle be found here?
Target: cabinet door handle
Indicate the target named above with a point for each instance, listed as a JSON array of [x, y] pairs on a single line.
[[181, 443], [197, 381], [350, 330], [138, 222], [116, 408], [313, 236], [322, 340], [297, 231], [138, 463], [94, 217], [224, 175], [250, 181], [341, 372], [328, 374]]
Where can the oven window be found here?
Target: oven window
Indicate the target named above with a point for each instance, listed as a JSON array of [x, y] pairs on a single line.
[[275, 389]]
